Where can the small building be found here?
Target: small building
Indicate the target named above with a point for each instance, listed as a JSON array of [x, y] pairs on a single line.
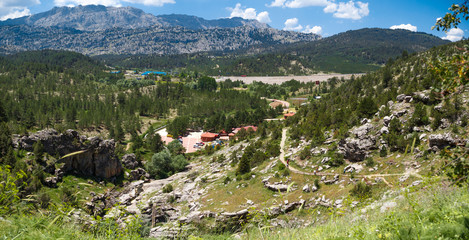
[[153, 72], [287, 115], [247, 128], [208, 137]]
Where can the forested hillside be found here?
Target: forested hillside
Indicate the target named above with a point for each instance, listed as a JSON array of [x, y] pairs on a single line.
[[354, 51]]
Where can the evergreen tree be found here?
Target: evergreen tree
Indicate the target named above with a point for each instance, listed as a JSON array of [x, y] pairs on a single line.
[[244, 165]]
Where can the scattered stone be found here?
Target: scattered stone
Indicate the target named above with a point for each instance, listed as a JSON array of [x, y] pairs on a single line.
[[249, 202], [403, 178], [387, 120], [51, 182], [418, 182], [400, 97], [384, 130], [441, 141], [325, 160], [276, 187], [138, 174], [130, 161], [387, 206], [332, 181], [306, 188]]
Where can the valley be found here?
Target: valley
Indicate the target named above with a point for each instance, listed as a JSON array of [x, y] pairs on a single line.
[[128, 125]]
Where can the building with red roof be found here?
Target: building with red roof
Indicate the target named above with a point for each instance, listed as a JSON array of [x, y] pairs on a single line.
[[208, 137]]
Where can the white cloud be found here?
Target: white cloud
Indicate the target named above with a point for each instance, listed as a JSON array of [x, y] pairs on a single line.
[[292, 25], [15, 8], [351, 10], [315, 29], [249, 13], [330, 8], [277, 3], [347, 10], [455, 34], [306, 3], [405, 26], [16, 13], [18, 3]]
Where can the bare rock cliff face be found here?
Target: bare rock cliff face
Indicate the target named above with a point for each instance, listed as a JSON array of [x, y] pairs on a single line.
[[87, 156]]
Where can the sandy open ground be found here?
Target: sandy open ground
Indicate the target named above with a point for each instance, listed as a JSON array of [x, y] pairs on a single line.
[[281, 79], [188, 141]]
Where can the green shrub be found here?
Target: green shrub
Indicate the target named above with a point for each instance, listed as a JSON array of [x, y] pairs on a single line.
[[167, 188], [369, 162], [361, 190], [227, 180]]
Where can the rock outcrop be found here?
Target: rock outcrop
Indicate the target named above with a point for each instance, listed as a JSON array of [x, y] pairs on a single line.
[[356, 148], [85, 156]]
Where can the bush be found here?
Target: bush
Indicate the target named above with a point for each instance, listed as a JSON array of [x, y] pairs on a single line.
[[227, 180], [369, 162], [361, 190], [167, 188], [179, 163], [43, 200], [316, 183], [160, 164], [383, 152]]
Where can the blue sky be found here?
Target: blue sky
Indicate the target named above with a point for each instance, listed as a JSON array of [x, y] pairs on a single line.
[[325, 17]]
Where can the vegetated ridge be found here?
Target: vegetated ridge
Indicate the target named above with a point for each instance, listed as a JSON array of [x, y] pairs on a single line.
[[356, 51]]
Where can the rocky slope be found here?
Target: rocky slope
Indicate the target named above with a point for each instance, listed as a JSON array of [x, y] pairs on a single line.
[[98, 30], [98, 18], [149, 40]]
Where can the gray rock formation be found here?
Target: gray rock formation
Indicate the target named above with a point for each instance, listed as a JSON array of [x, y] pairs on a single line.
[[441, 141], [81, 155], [130, 161], [138, 174]]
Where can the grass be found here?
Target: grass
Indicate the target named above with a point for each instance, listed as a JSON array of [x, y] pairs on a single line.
[[438, 212]]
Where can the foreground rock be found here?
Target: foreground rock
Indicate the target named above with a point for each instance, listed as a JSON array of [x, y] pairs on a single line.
[[80, 155]]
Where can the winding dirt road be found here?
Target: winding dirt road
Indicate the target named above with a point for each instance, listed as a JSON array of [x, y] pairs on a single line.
[[294, 170]]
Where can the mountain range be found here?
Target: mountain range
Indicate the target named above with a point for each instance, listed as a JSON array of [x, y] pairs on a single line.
[[96, 30], [98, 18]]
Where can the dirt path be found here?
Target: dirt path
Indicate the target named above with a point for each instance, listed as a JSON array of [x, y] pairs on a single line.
[[292, 169]]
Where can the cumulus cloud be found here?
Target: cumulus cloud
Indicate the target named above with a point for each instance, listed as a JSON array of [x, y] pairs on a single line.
[[306, 3], [315, 29], [292, 25], [16, 13], [351, 10], [277, 3], [249, 13], [346, 10], [15, 8], [114, 3], [455, 34], [405, 26]]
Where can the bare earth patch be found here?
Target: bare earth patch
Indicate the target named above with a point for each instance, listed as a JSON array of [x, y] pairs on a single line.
[[281, 79]]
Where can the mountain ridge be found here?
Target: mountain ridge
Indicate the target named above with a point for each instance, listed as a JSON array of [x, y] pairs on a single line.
[[99, 17]]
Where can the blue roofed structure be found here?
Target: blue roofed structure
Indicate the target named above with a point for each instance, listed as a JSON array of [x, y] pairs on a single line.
[[153, 72]]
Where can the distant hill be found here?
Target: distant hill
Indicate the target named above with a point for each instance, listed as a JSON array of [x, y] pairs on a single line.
[[98, 17], [355, 51]]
